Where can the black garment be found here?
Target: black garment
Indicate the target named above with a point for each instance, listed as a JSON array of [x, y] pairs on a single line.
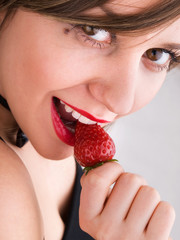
[[72, 230]]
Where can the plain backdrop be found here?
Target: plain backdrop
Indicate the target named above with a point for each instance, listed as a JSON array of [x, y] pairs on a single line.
[[148, 143]]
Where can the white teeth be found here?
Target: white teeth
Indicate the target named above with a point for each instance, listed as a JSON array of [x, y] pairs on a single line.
[[68, 109], [83, 119], [91, 122], [76, 114], [62, 102]]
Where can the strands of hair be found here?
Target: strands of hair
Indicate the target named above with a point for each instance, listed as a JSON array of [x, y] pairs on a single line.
[[160, 14]]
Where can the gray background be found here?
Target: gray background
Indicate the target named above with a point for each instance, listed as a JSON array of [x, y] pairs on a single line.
[[148, 143]]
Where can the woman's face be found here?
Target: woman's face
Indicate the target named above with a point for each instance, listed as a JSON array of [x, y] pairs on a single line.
[[92, 70]]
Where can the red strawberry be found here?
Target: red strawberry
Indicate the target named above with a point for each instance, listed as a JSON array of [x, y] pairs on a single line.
[[93, 146]]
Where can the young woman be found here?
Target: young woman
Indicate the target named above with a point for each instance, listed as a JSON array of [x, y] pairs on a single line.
[[107, 58]]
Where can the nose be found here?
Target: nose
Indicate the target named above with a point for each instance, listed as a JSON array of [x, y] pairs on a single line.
[[116, 86]]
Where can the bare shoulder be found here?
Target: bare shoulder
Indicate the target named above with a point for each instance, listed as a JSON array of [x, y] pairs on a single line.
[[20, 217]]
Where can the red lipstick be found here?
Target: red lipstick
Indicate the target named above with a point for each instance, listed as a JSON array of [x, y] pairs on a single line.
[[62, 132]]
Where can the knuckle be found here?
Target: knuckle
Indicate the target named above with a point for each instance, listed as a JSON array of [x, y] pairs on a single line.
[[103, 176], [104, 234], [116, 165], [152, 192], [131, 178], [83, 225], [101, 236], [94, 180], [86, 224], [167, 209]]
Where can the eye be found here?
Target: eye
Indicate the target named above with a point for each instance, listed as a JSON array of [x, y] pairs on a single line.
[[100, 35], [94, 36], [158, 56]]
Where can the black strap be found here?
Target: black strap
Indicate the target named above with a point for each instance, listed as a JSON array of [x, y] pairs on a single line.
[[4, 103], [21, 139], [73, 230], [1, 139]]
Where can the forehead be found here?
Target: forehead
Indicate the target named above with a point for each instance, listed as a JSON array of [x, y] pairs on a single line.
[[130, 6]]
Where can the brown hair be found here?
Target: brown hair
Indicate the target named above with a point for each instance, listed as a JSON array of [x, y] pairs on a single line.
[[163, 12]]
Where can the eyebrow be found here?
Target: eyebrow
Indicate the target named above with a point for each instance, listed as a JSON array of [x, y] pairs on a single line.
[[171, 46]]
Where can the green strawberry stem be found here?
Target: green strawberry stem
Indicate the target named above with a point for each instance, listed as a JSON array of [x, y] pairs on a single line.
[[87, 169]]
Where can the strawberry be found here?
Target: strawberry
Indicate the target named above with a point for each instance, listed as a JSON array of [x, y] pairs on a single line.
[[93, 146]]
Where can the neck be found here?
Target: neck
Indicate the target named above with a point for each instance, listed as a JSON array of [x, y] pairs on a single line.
[[52, 184]]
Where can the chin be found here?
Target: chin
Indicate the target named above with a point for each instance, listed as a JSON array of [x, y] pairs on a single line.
[[55, 153]]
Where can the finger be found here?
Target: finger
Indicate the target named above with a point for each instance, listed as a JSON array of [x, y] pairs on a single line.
[[95, 189], [161, 222], [142, 208], [122, 196]]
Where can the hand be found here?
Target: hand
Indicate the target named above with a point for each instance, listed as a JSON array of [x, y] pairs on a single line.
[[131, 210]]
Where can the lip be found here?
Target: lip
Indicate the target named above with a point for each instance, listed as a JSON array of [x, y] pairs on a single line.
[[62, 132], [86, 114]]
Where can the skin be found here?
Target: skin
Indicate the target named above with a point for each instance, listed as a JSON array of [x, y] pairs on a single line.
[[41, 58]]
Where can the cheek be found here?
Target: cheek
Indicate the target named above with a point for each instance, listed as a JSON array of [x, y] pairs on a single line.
[[55, 68], [147, 88]]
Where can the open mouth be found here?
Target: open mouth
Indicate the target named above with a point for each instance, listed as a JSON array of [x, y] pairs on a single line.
[[65, 119], [65, 114]]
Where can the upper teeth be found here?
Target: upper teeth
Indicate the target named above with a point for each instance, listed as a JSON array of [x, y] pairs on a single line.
[[77, 115]]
